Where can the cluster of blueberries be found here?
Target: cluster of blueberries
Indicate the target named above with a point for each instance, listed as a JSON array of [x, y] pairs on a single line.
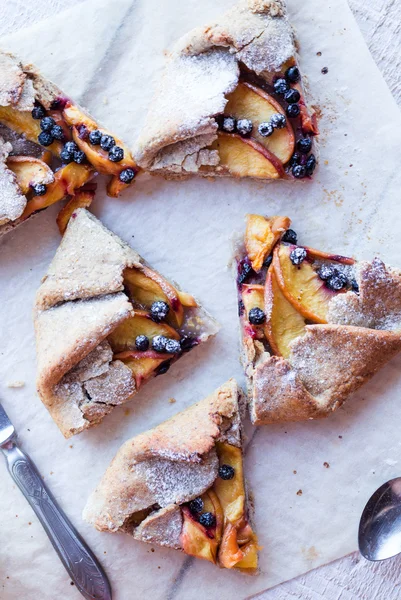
[[282, 87], [50, 132], [160, 343], [207, 519]]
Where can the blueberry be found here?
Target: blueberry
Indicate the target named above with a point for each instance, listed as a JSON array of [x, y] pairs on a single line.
[[241, 308], [95, 136], [268, 261], [38, 112], [79, 157], [187, 343], [196, 506], [107, 142], [278, 121], [337, 281], [290, 237], [57, 132], [326, 271], [244, 270], [298, 255], [141, 342], [256, 316], [163, 368], [45, 138], [47, 123], [304, 145], [266, 129], [244, 126], [281, 86], [299, 171], [292, 74], [66, 157], [207, 519], [292, 96], [310, 164], [293, 110], [70, 147], [159, 343], [159, 311], [228, 124], [354, 285], [39, 189], [127, 175], [226, 472], [173, 347], [295, 159], [116, 154]]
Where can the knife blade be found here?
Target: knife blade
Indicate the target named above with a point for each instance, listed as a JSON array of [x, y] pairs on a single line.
[[76, 556]]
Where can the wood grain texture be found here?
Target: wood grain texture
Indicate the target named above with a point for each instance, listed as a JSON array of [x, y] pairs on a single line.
[[350, 578]]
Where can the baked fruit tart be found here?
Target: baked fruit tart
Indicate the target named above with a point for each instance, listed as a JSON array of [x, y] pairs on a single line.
[[106, 322], [49, 146], [315, 326], [232, 102], [181, 485]]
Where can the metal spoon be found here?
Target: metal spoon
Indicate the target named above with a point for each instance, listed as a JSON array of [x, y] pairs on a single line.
[[379, 534]]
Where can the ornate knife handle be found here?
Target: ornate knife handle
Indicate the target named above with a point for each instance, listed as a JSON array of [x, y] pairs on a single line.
[[81, 564]]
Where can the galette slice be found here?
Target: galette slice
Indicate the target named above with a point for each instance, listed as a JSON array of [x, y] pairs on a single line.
[[49, 146], [105, 324], [315, 326], [181, 485], [232, 101]]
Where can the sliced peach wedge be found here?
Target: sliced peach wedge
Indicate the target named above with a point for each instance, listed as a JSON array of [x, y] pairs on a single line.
[[252, 297], [250, 102], [283, 322], [123, 337], [82, 199], [145, 286], [245, 157], [301, 285], [29, 171], [196, 540], [261, 235]]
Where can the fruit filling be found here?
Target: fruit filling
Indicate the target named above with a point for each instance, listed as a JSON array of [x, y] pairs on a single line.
[[283, 286], [266, 130], [164, 325], [215, 526]]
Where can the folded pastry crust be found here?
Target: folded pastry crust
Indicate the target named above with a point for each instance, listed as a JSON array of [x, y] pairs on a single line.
[[155, 473], [204, 67], [329, 361], [80, 302], [22, 89]]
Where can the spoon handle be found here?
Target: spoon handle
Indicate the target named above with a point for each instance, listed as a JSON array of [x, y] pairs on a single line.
[[80, 562]]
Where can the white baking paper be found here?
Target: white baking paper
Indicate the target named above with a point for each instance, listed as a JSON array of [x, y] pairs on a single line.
[[110, 55]]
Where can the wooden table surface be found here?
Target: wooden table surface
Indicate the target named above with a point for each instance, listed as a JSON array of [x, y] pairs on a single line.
[[350, 578]]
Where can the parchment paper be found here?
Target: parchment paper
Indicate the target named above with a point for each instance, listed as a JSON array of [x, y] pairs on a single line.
[[109, 54]]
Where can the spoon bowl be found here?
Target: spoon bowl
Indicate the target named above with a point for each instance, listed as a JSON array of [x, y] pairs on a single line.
[[379, 535]]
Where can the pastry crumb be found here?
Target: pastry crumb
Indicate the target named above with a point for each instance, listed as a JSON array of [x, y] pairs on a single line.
[[127, 412], [299, 493], [15, 384], [294, 472], [172, 400], [326, 465]]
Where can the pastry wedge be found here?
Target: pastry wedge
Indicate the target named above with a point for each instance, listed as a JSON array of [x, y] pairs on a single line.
[[181, 485], [315, 326], [232, 102], [49, 146], [105, 324]]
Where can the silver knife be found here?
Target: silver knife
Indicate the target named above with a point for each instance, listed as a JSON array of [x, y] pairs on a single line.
[[80, 562]]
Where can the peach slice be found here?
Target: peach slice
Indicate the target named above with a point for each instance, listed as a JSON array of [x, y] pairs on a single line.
[[23, 123], [123, 337], [231, 492], [301, 285], [187, 300], [250, 102], [229, 552], [320, 255], [143, 365], [82, 125], [261, 235], [283, 322], [82, 199], [244, 157], [66, 182], [252, 297], [146, 286], [194, 539], [29, 171]]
